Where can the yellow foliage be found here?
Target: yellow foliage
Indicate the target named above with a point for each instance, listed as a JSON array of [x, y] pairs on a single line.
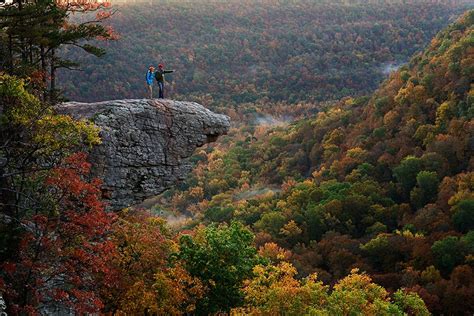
[[50, 132], [196, 193], [411, 94], [443, 113], [215, 164], [430, 274], [291, 229], [408, 234], [357, 153], [176, 291], [275, 291], [464, 188], [274, 252], [391, 118]]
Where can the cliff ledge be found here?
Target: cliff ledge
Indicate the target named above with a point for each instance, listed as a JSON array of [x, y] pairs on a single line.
[[145, 143]]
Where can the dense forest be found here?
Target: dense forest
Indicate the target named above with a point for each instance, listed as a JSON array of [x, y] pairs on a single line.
[[381, 183], [364, 208], [233, 52]]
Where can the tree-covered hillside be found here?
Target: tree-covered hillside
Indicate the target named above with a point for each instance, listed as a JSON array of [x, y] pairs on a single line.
[[241, 51], [384, 184], [367, 208], [62, 253]]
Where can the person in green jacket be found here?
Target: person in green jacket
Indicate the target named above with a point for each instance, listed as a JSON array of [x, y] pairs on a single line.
[[160, 78]]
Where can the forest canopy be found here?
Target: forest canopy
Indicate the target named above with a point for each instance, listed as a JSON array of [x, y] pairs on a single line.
[[383, 183], [364, 206], [234, 52]]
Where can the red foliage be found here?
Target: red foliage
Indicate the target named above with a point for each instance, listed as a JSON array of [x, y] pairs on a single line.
[[64, 253]]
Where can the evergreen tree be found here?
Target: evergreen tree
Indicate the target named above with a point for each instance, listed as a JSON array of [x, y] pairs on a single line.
[[31, 35]]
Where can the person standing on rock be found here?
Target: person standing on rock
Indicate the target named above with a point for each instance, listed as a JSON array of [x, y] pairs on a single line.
[[150, 74], [160, 78]]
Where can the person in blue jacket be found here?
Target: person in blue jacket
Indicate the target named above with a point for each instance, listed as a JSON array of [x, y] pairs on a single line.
[[150, 75]]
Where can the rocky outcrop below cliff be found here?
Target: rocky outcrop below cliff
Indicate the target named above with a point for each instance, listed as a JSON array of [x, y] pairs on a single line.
[[145, 144]]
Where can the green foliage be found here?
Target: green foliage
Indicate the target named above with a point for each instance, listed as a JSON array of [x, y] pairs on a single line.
[[271, 222], [411, 303], [406, 172], [221, 257], [376, 246], [444, 113], [404, 75], [427, 81], [428, 182], [468, 241], [33, 141], [219, 214], [378, 250], [380, 104], [448, 253], [463, 218], [426, 190], [379, 132], [49, 131]]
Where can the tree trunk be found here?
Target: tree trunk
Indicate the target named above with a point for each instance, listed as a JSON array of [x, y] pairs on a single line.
[[23, 49], [52, 88], [44, 72], [31, 53], [10, 53]]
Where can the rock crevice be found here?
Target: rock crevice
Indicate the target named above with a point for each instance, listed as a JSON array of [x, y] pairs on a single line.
[[145, 144]]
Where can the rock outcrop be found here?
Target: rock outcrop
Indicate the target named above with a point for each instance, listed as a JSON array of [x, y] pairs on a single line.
[[145, 144]]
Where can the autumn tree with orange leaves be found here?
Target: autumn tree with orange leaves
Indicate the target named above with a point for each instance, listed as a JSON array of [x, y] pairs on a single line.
[[54, 249]]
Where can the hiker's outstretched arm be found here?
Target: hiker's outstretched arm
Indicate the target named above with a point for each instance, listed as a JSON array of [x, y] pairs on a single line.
[[168, 71]]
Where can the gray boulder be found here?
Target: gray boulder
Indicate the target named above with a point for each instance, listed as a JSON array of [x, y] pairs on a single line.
[[145, 144]]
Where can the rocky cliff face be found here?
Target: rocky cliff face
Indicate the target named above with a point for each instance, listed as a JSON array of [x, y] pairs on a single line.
[[145, 144]]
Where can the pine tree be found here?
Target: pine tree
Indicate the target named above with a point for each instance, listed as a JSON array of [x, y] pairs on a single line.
[[31, 34]]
